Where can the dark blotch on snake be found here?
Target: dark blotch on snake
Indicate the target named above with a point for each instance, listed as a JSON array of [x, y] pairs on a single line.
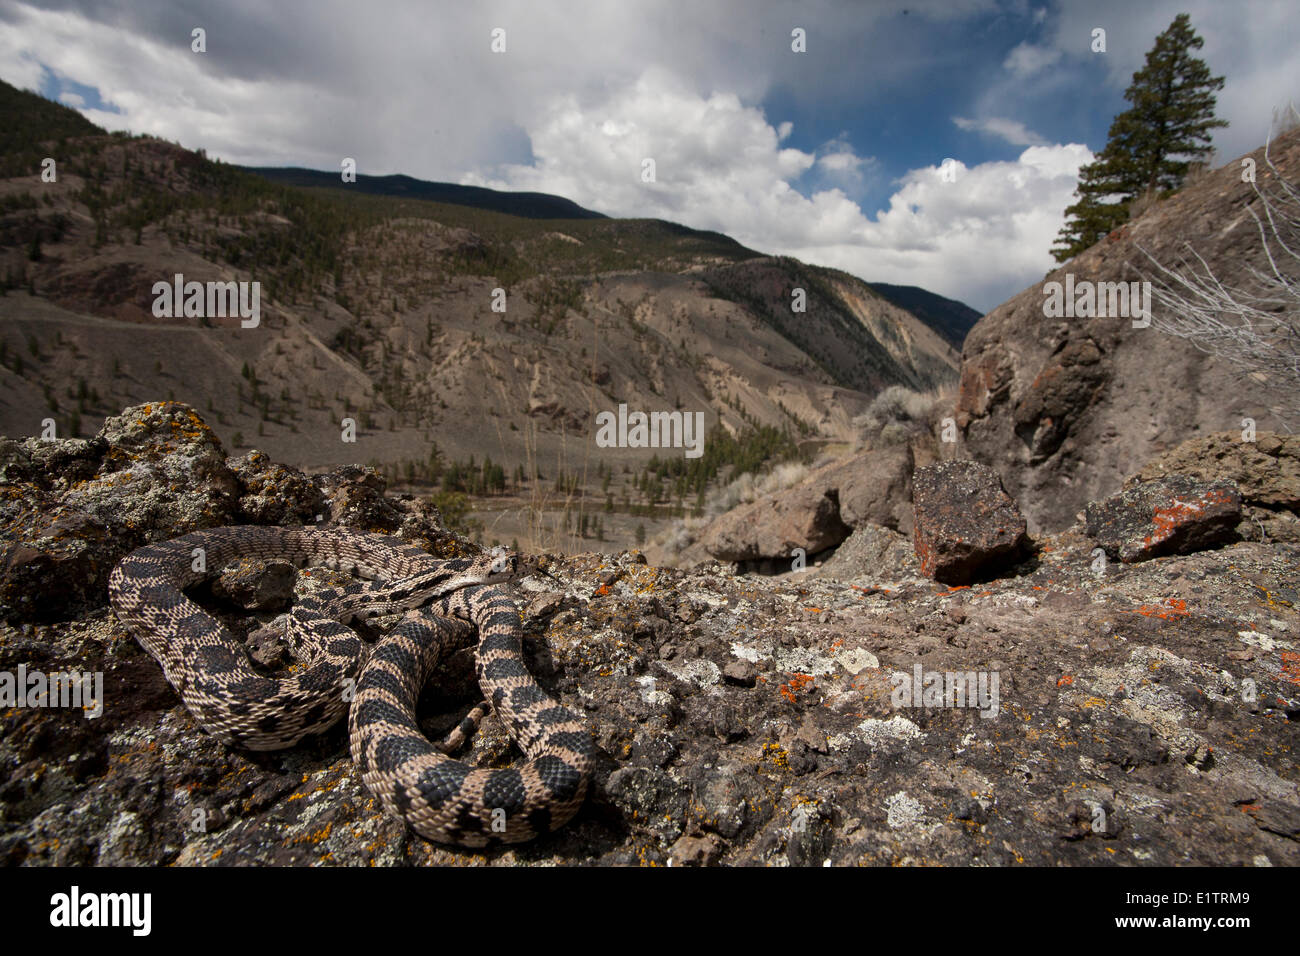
[[504, 668], [527, 696], [563, 781], [468, 820], [498, 642], [539, 820], [217, 658], [442, 782], [391, 653], [505, 791], [375, 678], [500, 619], [576, 741], [315, 713], [328, 627], [319, 678], [394, 750], [554, 715], [348, 647], [250, 688], [374, 710]]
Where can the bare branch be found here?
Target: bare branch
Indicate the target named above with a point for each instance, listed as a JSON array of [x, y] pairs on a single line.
[[1255, 328]]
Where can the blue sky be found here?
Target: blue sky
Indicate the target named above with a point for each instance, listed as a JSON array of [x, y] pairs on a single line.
[[831, 155]]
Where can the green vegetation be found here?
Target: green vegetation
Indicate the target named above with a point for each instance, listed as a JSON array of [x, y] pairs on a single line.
[[30, 125], [1171, 116]]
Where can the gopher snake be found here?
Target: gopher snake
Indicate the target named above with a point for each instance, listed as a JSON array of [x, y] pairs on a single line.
[[440, 798]]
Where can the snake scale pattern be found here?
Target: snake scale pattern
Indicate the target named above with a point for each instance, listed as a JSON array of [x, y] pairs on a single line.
[[442, 603]]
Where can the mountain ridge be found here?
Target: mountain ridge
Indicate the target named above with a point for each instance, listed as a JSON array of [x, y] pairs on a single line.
[[444, 333], [530, 205]]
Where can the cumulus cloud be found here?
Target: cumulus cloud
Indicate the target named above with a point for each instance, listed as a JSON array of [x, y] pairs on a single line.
[[719, 165]]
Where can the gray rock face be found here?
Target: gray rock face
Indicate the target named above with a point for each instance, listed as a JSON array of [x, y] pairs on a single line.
[[739, 720], [1064, 408], [967, 526], [1176, 514], [872, 552]]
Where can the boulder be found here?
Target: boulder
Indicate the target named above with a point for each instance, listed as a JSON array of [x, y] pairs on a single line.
[[873, 487], [805, 516], [874, 553], [967, 526], [1176, 514], [1266, 471]]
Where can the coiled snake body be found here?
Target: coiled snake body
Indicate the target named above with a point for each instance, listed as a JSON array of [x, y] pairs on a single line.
[[440, 798]]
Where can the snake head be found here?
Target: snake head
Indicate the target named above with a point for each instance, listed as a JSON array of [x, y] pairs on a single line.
[[503, 564]]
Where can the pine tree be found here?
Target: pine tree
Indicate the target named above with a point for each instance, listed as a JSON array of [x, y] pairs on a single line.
[[1171, 116]]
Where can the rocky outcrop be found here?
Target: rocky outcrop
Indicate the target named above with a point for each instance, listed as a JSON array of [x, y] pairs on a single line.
[[1063, 408], [873, 487], [1175, 514], [71, 509], [806, 517], [1141, 713], [1266, 471], [967, 526]]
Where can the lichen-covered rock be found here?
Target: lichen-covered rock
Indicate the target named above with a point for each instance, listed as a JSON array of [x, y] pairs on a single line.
[[1176, 514], [1266, 471], [257, 585], [70, 509], [271, 493], [966, 525], [739, 719], [872, 553]]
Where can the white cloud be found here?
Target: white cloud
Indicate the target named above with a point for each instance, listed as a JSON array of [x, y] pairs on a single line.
[[1012, 131], [75, 100], [719, 166], [1026, 59], [1252, 45]]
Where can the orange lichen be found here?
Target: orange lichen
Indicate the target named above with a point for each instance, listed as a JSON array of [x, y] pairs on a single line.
[[1172, 608], [796, 683], [1167, 520], [1290, 667]]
